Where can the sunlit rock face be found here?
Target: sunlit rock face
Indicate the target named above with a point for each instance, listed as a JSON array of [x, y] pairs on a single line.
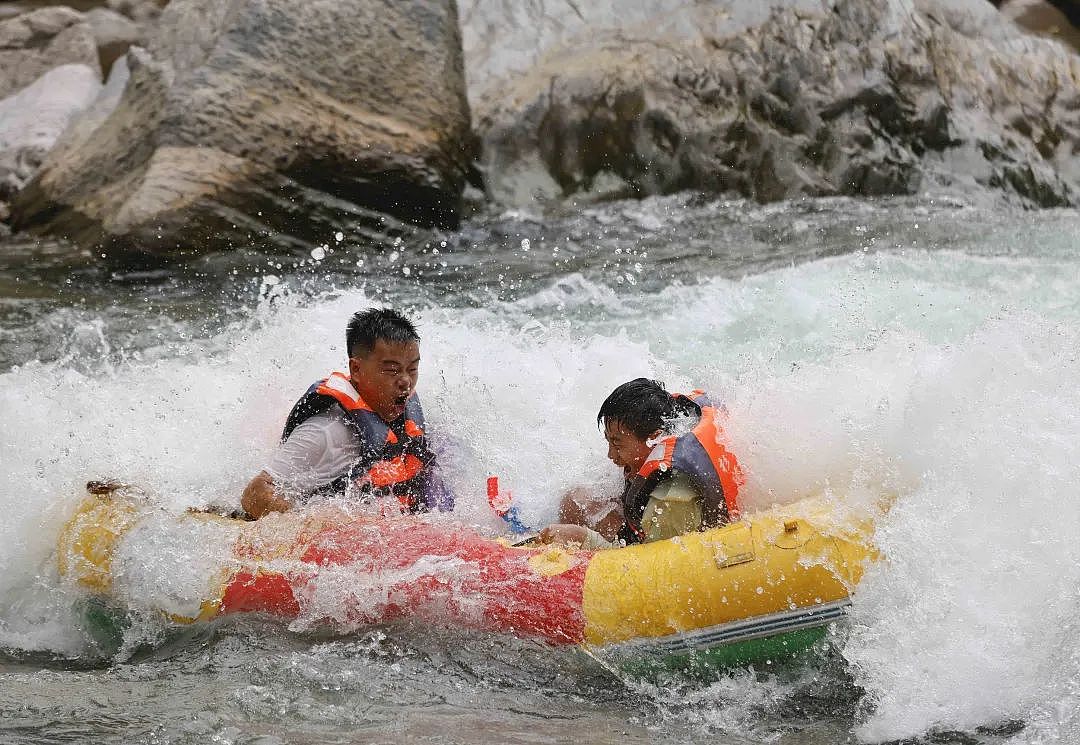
[[772, 100], [32, 119], [265, 122]]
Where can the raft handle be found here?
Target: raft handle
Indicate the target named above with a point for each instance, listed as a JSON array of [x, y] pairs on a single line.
[[103, 488]]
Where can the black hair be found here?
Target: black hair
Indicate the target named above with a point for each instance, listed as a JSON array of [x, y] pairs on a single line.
[[642, 406], [368, 326]]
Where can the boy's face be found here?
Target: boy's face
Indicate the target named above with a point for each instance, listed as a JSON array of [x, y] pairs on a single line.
[[625, 449]]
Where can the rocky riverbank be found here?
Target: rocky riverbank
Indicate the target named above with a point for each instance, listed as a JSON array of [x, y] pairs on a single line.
[[230, 123], [786, 99]]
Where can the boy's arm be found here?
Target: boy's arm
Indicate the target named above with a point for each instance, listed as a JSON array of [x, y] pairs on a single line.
[[584, 537], [580, 506]]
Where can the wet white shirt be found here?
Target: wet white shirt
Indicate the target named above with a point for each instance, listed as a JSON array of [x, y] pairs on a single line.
[[320, 450]]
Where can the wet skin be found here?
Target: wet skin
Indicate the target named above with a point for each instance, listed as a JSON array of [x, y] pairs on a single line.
[[386, 376]]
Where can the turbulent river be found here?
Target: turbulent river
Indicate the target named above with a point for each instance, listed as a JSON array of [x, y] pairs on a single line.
[[925, 349]]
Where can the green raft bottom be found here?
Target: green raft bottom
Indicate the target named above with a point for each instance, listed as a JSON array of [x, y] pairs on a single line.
[[105, 625], [778, 648]]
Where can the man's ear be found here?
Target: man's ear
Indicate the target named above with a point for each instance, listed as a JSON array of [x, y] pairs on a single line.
[[354, 367]]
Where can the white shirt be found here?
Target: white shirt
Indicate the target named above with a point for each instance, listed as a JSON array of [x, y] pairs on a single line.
[[318, 451]]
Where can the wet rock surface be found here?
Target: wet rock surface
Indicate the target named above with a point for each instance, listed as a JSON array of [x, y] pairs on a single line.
[[257, 122], [845, 97]]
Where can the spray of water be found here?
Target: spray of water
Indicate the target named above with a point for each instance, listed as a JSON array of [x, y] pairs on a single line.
[[947, 380]]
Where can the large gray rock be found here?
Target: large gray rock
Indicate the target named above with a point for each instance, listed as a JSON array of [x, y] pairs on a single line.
[[266, 122], [774, 100], [32, 120], [33, 43]]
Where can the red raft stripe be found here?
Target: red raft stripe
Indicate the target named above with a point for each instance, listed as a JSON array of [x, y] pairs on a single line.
[[495, 589], [450, 576], [265, 592]]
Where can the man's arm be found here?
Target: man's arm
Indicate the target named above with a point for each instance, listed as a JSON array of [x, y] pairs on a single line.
[[260, 497], [317, 452]]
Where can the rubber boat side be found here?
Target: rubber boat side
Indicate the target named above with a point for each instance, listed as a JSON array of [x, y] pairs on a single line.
[[756, 589], [774, 576]]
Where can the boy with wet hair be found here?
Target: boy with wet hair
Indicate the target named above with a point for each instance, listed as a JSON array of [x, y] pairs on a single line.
[[659, 441]]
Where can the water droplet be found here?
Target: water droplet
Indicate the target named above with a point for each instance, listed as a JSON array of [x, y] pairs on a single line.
[[339, 236], [318, 253]]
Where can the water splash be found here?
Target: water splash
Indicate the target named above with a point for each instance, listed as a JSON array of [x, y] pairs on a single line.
[[946, 378]]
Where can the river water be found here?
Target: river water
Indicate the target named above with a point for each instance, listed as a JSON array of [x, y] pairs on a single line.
[[923, 348]]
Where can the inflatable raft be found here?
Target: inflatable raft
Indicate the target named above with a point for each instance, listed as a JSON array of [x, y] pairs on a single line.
[[766, 585]]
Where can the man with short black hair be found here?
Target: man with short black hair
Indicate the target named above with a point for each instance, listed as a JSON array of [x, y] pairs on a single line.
[[360, 434]]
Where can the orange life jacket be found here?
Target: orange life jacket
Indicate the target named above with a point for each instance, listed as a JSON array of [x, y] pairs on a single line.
[[712, 468], [394, 456]]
